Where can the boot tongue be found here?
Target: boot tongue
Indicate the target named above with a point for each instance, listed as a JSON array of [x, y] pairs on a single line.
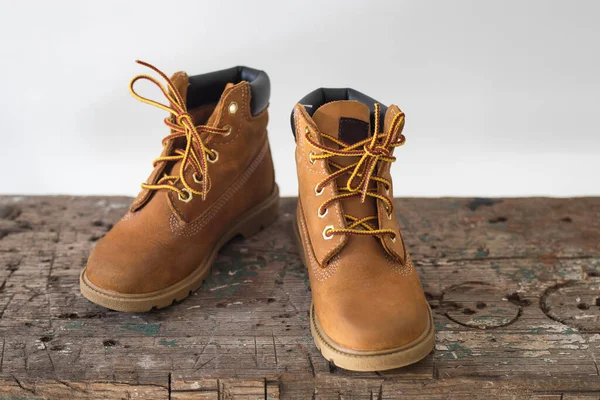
[[349, 121], [346, 120]]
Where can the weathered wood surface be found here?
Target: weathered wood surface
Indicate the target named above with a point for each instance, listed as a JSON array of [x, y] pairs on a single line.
[[514, 285]]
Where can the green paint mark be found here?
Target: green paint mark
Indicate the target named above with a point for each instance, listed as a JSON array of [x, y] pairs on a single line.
[[482, 252], [75, 324], [520, 274], [567, 331], [168, 343], [527, 274], [233, 269], [214, 343], [440, 326], [146, 329]]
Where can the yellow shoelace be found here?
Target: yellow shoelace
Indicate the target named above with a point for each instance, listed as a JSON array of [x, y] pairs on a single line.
[[182, 125], [371, 151]]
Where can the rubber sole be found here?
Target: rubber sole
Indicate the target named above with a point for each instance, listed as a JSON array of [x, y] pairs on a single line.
[[356, 360], [252, 222]]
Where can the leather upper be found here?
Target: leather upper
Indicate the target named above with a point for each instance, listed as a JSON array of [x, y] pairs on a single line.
[[366, 292], [162, 239]]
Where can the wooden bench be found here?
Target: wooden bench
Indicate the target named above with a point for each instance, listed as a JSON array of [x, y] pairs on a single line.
[[514, 285]]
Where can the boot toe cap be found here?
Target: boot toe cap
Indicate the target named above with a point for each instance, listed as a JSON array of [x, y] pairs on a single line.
[[376, 323], [119, 266]]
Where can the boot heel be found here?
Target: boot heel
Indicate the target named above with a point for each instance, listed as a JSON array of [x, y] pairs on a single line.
[[261, 217]]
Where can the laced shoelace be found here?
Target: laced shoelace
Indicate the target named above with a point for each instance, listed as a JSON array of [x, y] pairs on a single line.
[[371, 151], [182, 125]]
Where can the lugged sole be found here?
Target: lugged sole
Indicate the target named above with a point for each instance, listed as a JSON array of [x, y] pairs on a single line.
[[356, 360], [252, 222]]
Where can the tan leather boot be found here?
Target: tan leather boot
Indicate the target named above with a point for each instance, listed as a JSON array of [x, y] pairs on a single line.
[[213, 181], [369, 311]]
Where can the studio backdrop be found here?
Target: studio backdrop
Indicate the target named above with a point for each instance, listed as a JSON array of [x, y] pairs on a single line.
[[501, 98]]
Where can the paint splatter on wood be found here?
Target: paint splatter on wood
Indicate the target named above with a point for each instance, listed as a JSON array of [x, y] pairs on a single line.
[[514, 285]]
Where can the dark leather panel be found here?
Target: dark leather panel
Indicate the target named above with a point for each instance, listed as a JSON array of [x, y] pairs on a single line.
[[207, 88], [352, 130], [317, 98]]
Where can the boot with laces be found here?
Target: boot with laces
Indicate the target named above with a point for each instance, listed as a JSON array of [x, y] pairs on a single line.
[[369, 312], [213, 181]]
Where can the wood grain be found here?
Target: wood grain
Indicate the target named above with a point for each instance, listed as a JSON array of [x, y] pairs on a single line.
[[514, 285]]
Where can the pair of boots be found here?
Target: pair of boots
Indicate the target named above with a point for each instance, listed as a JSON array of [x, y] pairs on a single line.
[[214, 180]]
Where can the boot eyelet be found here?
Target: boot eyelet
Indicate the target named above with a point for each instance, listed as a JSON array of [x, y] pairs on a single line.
[[233, 107], [310, 157], [389, 215], [393, 239], [214, 158], [306, 129], [323, 214], [327, 229], [387, 191], [228, 127], [318, 192], [185, 199], [196, 178]]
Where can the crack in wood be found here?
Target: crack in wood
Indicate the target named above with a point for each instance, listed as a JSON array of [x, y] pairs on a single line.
[[76, 389], [169, 384], [32, 391], [204, 364], [312, 365], [49, 357], [202, 352], [255, 351]]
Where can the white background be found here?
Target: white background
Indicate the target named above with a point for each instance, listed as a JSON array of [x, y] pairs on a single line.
[[502, 97]]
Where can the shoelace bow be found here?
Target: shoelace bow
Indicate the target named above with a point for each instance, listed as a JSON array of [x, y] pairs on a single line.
[[182, 125], [371, 151]]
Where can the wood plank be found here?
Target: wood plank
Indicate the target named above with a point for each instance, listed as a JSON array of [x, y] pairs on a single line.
[[514, 285]]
